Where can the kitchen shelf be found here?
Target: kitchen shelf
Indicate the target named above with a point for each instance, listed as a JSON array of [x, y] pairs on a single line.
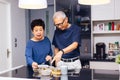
[[106, 32], [101, 33]]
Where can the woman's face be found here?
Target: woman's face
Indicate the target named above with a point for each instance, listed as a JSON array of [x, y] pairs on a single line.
[[38, 32]]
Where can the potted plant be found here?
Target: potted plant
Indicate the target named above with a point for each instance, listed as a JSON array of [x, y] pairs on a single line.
[[117, 60]]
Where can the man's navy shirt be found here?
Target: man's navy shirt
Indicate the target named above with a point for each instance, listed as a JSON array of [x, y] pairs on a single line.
[[63, 38]]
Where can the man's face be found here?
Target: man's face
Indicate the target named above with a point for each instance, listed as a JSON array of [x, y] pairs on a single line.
[[60, 23]]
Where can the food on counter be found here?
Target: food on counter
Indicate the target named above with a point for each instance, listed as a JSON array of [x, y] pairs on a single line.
[[44, 70], [56, 71], [48, 70]]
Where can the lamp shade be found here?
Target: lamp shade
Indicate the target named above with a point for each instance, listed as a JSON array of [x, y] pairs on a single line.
[[32, 4], [93, 2]]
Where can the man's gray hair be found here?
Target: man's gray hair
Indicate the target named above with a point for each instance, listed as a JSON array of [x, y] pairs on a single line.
[[59, 14]]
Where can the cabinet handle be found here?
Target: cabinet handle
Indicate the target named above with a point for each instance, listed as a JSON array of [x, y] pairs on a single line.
[[8, 52]]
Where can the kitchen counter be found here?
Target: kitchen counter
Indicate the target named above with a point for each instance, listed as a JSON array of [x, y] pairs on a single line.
[[84, 74], [9, 78], [107, 64], [103, 60]]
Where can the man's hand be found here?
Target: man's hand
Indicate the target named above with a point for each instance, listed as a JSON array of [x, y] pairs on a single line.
[[57, 57]]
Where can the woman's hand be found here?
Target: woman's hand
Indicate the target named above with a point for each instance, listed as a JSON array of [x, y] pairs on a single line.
[[48, 58], [34, 65]]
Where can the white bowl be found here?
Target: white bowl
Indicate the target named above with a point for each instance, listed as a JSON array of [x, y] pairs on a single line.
[[47, 71], [42, 66]]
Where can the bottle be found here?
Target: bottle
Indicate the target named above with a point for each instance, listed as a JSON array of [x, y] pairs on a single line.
[[117, 45], [109, 26], [112, 26]]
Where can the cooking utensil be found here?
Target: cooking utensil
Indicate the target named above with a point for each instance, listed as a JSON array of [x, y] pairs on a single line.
[[52, 61]]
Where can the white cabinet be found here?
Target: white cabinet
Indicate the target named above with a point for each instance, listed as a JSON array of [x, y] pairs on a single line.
[[103, 65], [100, 33], [117, 9], [107, 11]]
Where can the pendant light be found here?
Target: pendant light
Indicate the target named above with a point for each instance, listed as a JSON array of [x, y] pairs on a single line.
[[32, 4], [93, 2]]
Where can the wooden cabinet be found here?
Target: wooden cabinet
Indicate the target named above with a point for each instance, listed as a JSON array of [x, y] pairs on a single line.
[[106, 11], [100, 32]]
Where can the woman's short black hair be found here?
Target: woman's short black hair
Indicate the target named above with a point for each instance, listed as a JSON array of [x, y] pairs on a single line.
[[37, 22]]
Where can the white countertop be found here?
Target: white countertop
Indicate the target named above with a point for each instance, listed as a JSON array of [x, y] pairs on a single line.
[[8, 78]]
